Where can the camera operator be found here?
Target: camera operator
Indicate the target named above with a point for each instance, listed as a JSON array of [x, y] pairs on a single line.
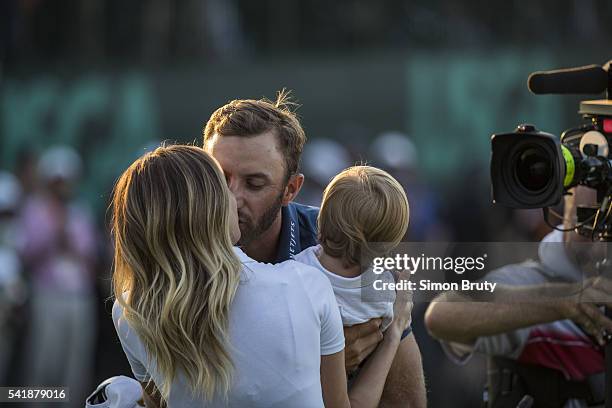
[[551, 350]]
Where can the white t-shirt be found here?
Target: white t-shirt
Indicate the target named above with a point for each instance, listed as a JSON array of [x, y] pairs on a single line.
[[283, 319], [357, 300]]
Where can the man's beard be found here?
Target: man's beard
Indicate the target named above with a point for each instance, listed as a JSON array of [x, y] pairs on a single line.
[[250, 232]]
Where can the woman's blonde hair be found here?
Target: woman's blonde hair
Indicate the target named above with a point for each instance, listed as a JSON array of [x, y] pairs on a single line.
[[175, 263], [364, 213]]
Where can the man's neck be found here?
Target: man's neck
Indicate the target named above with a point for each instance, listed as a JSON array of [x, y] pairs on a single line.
[[337, 266], [265, 247]]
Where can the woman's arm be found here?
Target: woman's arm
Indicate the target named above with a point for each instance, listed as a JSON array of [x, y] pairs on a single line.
[[367, 388], [333, 381]]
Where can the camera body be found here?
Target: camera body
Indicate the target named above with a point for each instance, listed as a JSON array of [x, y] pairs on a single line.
[[534, 169], [527, 168]]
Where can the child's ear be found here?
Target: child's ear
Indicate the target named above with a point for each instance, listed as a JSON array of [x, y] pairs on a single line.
[[293, 188]]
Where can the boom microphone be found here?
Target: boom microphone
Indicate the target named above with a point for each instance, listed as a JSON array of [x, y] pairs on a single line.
[[590, 79]]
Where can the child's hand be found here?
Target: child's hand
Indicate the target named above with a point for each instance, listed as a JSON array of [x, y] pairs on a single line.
[[402, 308]]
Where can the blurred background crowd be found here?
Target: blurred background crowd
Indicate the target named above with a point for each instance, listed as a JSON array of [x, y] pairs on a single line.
[[413, 87]]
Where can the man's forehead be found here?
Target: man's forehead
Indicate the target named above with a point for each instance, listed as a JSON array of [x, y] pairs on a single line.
[[266, 143], [250, 155]]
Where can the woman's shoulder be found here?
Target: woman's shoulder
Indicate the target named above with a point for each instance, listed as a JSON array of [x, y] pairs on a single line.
[[127, 335], [290, 272], [308, 275], [121, 324]]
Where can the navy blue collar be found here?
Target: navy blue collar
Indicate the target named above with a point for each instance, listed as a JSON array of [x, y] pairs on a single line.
[[289, 239], [298, 230]]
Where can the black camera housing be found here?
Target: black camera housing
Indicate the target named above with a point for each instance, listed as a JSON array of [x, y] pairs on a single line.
[[527, 168]]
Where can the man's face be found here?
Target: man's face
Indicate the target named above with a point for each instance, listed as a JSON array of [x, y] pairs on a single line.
[[233, 215], [580, 196], [254, 168], [582, 250]]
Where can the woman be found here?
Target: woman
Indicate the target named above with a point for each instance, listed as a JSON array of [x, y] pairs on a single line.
[[201, 323]]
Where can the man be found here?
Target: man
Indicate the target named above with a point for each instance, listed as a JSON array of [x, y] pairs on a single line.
[[258, 144], [544, 332]]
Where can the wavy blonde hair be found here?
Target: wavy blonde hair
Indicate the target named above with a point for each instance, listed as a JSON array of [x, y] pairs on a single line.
[[175, 265]]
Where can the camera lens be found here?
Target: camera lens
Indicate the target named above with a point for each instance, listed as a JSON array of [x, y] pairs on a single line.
[[528, 169], [533, 168]]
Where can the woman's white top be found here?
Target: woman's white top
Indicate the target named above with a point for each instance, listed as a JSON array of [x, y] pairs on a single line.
[[283, 319]]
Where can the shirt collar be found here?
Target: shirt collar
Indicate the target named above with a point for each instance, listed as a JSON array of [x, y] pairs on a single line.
[[553, 256], [244, 258], [289, 239]]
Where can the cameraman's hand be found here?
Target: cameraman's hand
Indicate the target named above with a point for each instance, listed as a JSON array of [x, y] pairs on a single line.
[[584, 308]]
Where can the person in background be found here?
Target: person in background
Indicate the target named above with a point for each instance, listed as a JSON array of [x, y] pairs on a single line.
[[543, 331], [26, 171], [12, 284], [397, 153], [58, 247], [322, 159]]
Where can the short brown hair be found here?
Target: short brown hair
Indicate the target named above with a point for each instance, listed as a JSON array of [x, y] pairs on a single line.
[[362, 205], [249, 117]]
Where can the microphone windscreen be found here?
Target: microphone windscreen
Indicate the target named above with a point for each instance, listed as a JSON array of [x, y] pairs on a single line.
[[591, 79]]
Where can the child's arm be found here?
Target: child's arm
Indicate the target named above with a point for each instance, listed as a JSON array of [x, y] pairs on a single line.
[[368, 386], [405, 386]]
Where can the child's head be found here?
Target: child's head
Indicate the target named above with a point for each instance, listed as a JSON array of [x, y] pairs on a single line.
[[362, 205]]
